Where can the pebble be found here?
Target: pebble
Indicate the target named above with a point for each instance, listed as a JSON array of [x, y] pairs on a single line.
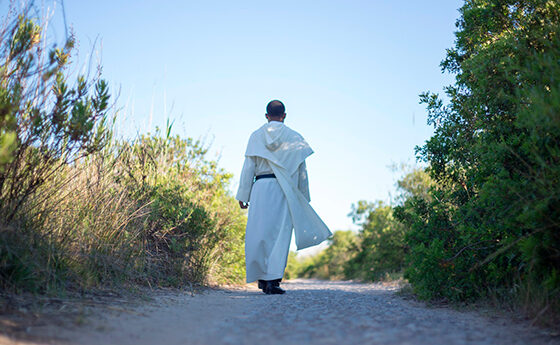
[[319, 312]]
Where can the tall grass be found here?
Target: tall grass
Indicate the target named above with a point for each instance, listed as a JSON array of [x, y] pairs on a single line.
[[80, 209], [151, 211]]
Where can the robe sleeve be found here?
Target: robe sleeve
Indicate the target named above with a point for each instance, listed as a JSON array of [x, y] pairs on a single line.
[[246, 180], [303, 182]]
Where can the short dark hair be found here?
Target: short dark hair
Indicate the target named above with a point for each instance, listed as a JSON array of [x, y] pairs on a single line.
[[275, 108]]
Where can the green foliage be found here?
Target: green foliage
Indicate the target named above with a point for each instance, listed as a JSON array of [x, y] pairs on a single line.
[[7, 139], [329, 263], [491, 224], [377, 251], [295, 266], [382, 248], [45, 123], [152, 211], [79, 209], [192, 218]]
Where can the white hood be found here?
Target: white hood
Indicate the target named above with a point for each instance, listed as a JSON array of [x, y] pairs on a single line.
[[280, 145], [273, 135]]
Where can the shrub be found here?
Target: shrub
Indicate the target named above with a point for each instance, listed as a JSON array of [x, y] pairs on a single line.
[[327, 264], [377, 251], [46, 125], [381, 247], [193, 229], [79, 209], [491, 227]]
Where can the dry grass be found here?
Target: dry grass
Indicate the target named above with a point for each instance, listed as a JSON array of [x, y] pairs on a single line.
[[115, 218]]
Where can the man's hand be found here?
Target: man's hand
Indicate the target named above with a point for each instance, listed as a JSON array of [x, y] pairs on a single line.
[[243, 205]]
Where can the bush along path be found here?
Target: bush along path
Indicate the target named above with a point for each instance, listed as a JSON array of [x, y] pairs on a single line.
[[482, 220], [311, 312], [81, 209]]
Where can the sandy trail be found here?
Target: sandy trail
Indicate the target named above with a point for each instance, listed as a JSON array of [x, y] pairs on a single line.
[[312, 312]]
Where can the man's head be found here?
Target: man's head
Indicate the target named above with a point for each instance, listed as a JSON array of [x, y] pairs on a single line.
[[275, 111]]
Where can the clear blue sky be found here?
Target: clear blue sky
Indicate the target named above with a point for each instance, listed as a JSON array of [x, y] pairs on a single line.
[[348, 71]]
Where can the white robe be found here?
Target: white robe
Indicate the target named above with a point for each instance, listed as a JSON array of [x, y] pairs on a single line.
[[277, 205]]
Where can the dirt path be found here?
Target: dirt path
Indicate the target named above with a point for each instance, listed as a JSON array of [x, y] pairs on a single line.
[[312, 312]]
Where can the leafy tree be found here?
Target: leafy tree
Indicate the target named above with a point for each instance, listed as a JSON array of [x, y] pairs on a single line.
[[378, 249], [414, 183], [80, 209], [491, 222], [45, 123], [194, 229], [381, 247], [329, 263], [381, 243]]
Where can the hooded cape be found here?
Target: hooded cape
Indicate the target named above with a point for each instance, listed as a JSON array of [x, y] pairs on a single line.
[[285, 150]]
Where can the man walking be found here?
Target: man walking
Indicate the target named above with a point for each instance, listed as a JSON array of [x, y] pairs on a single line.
[[274, 184]]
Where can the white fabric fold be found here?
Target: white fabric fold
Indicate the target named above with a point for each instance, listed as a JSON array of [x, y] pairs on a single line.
[[309, 229], [280, 145], [285, 150], [269, 232]]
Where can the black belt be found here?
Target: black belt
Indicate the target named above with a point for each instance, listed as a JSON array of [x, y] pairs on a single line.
[[264, 176]]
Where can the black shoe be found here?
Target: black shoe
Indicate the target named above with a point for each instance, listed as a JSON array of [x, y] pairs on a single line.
[[272, 289], [262, 283]]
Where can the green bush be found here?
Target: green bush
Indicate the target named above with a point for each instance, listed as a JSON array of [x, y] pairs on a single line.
[[491, 227], [79, 209], [381, 246], [46, 124], [327, 264], [152, 211], [194, 231], [377, 251]]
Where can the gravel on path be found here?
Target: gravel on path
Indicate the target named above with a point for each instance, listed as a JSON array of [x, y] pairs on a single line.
[[311, 312]]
